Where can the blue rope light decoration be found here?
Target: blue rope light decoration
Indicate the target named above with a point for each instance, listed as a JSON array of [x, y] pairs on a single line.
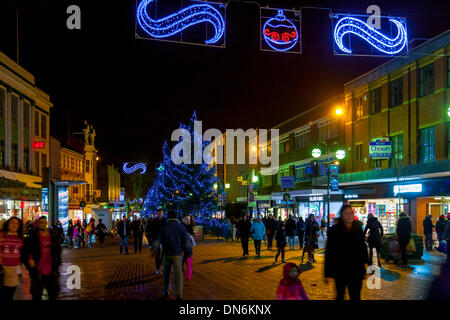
[[280, 33], [351, 25], [138, 166], [183, 19]]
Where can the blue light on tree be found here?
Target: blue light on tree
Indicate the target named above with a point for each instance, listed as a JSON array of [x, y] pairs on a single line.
[[138, 166], [280, 33], [181, 20], [348, 26]]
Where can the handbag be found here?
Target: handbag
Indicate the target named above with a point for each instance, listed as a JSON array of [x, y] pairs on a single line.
[[411, 247]]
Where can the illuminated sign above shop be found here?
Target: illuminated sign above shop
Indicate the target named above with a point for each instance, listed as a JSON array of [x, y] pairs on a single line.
[[407, 188], [38, 145], [316, 198]]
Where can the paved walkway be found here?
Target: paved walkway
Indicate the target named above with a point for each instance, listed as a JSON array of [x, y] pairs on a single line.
[[220, 272]]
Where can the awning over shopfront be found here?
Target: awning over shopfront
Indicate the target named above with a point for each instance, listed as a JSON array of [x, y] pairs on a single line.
[[16, 190]]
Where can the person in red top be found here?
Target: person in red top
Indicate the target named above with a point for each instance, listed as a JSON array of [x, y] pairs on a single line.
[[290, 287], [43, 252], [11, 243]]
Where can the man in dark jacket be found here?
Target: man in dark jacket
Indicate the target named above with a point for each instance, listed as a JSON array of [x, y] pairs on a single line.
[[154, 229], [124, 231], [174, 240], [428, 232], [375, 231], [300, 231], [404, 234], [42, 257], [270, 231], [137, 229], [244, 227], [346, 255], [291, 230], [440, 228]]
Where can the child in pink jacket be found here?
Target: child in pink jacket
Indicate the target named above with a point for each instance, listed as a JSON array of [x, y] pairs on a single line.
[[290, 287]]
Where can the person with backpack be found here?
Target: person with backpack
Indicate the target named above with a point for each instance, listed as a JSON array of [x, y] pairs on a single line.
[[374, 233], [90, 232]]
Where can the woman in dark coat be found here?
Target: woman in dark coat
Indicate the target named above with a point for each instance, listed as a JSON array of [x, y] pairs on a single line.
[[375, 230], [311, 229], [346, 255], [270, 231]]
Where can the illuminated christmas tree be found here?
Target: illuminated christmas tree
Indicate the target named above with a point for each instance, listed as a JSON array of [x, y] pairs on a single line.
[[186, 188]]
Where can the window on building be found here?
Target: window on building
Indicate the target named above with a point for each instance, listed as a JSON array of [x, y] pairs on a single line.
[[43, 161], [327, 130], [300, 173], [358, 108], [397, 150], [43, 126], [426, 80], [396, 91], [302, 139], [36, 163], [2, 153], [72, 165], [376, 164], [359, 152], [87, 166], [266, 181], [284, 145], [26, 159], [375, 100], [2, 103], [282, 173], [14, 156], [14, 109], [36, 123], [26, 115], [426, 145]]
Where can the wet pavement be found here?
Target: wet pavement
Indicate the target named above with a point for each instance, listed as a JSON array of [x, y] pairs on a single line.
[[220, 272]]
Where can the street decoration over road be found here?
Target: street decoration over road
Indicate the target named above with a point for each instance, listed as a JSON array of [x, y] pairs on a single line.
[[280, 33], [347, 27], [177, 22], [137, 166]]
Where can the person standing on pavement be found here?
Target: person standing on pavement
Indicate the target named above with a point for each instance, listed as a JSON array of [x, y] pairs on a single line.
[[90, 231], [42, 253], [174, 239], [70, 233], [258, 230], [311, 229], [11, 244], [440, 228], [374, 233], [244, 226], [300, 231], [428, 232], [404, 234], [154, 232], [124, 231], [137, 229], [280, 237], [270, 231], [188, 253], [291, 229], [323, 226], [102, 231], [346, 255]]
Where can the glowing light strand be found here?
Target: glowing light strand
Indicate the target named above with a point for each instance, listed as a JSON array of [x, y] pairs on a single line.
[[136, 167], [183, 19], [351, 25], [273, 39]]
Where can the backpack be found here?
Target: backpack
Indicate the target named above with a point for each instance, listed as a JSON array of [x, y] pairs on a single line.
[[89, 228]]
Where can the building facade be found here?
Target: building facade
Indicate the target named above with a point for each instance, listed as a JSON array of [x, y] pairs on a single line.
[[24, 141]]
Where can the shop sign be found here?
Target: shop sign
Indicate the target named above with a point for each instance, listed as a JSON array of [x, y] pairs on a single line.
[[315, 198], [358, 204], [380, 148], [381, 210], [63, 207], [45, 200], [287, 182], [407, 188], [38, 145], [350, 196], [251, 195], [82, 204], [334, 184]]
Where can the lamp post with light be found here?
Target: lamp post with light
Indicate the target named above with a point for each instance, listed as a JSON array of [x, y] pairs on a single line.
[[340, 155]]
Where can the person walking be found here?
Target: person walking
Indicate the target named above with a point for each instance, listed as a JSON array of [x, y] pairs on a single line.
[[311, 229], [244, 226], [404, 234], [154, 229], [102, 231], [291, 230], [323, 226], [290, 287], [270, 231], [346, 255], [137, 229], [188, 253], [174, 238], [11, 244], [77, 235], [124, 231], [258, 230], [42, 254], [300, 231], [428, 232], [374, 233], [280, 237], [440, 228], [90, 232], [70, 233]]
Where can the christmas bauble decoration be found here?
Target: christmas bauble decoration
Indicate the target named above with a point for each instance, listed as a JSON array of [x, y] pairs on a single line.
[[280, 33]]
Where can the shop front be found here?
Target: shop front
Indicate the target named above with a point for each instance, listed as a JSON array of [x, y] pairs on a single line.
[[23, 209]]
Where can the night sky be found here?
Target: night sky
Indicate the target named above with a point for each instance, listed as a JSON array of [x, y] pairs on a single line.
[[135, 92]]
